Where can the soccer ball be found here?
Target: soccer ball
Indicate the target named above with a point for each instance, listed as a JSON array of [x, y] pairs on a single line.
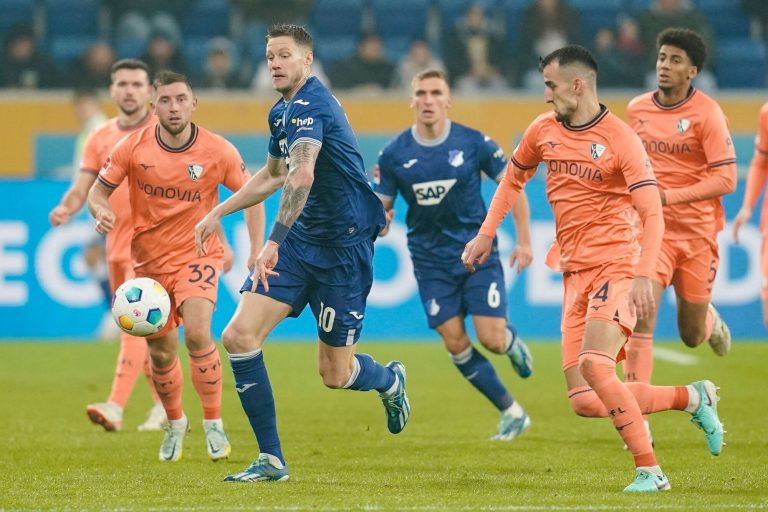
[[141, 306]]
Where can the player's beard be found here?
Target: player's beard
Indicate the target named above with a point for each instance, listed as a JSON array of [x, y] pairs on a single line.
[[130, 112], [174, 131]]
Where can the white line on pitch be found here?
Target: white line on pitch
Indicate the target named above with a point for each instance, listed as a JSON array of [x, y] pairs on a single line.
[[672, 356]]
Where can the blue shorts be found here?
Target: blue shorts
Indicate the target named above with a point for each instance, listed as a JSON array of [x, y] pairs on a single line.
[[445, 295], [334, 281]]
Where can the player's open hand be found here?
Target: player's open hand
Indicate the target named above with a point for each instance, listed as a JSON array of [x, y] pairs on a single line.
[[641, 301], [59, 215], [105, 220], [203, 231], [264, 265], [522, 255], [741, 218], [477, 251]]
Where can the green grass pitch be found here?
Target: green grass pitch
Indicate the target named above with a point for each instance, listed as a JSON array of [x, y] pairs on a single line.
[[342, 457]]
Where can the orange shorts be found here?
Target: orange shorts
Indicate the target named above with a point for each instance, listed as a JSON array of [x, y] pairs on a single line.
[[598, 293], [198, 278], [690, 266], [119, 272]]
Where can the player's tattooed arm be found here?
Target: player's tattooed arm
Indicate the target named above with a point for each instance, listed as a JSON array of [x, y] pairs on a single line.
[[301, 175]]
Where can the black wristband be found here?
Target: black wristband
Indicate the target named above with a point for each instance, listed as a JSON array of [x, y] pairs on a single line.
[[279, 232]]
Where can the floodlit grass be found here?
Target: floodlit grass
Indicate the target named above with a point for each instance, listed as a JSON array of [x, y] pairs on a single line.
[[342, 457]]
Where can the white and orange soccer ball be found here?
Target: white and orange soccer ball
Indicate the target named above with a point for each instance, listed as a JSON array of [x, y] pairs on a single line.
[[141, 306]]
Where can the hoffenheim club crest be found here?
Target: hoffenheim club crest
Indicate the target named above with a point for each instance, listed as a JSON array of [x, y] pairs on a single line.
[[596, 150], [195, 171], [455, 157]]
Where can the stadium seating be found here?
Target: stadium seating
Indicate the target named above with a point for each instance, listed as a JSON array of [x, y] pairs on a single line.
[[333, 48], [336, 18], [726, 17], [597, 14], [207, 18], [741, 62], [400, 18], [67, 48], [15, 12], [76, 18]]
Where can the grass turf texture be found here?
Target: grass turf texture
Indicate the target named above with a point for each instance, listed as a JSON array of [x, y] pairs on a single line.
[[342, 457]]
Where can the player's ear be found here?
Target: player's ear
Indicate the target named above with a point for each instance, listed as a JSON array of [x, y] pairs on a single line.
[[309, 58], [693, 71]]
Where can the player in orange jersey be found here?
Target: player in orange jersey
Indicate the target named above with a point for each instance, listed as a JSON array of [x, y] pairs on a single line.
[[130, 90], [174, 169], [686, 136], [597, 176], [756, 180]]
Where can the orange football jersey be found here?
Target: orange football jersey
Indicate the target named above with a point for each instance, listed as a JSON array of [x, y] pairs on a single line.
[[171, 190], [591, 170], [686, 143], [97, 147]]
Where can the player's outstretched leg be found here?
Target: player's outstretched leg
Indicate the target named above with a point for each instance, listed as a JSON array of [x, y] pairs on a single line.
[[264, 469], [649, 480], [173, 443], [107, 414], [513, 422], [396, 404], [720, 339], [519, 355], [705, 414]]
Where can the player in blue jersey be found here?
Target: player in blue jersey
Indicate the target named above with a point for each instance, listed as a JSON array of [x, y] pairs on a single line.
[[436, 166], [327, 221]]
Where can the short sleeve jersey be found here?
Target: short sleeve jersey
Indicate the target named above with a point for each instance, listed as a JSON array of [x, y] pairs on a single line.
[[441, 182], [171, 190], [95, 152], [686, 142], [341, 209], [591, 170]]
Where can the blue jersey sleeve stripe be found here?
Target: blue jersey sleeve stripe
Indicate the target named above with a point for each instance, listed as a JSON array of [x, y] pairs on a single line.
[[644, 183], [523, 167], [304, 139]]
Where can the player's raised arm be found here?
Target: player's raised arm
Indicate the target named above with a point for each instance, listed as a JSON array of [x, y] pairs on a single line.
[[757, 175]]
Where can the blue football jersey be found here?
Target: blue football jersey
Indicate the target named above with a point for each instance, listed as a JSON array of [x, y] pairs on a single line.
[[440, 181], [341, 209]]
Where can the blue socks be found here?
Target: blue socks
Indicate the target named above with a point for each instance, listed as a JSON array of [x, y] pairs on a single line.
[[479, 371], [368, 374], [255, 392]]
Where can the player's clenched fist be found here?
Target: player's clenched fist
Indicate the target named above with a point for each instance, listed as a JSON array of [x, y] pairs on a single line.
[[105, 220], [477, 251], [59, 216]]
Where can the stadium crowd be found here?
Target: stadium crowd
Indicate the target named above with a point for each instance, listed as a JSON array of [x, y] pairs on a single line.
[[486, 46]]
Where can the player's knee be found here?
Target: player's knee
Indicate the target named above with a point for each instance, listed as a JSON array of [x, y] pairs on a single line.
[[162, 354], [333, 379], [692, 336], [496, 343], [587, 404], [197, 337], [592, 366], [238, 341]]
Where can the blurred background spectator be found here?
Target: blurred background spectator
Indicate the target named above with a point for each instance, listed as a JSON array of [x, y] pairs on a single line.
[[485, 45], [418, 58], [92, 69], [368, 68], [475, 53], [23, 64], [87, 110], [544, 26]]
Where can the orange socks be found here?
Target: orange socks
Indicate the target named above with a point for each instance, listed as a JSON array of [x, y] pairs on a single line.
[[169, 382], [133, 356], [205, 366], [599, 370], [638, 366], [585, 402]]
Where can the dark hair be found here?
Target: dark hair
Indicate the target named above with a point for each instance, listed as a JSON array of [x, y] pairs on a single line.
[[129, 64], [167, 77], [296, 32], [431, 73], [688, 41], [573, 53]]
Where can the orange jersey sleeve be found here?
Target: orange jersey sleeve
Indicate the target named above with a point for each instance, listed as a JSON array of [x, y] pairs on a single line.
[[693, 157], [758, 169], [519, 171], [171, 190], [95, 153]]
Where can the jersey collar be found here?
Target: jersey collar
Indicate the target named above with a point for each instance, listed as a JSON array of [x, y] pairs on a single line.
[[655, 98], [589, 124], [186, 146], [432, 142]]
